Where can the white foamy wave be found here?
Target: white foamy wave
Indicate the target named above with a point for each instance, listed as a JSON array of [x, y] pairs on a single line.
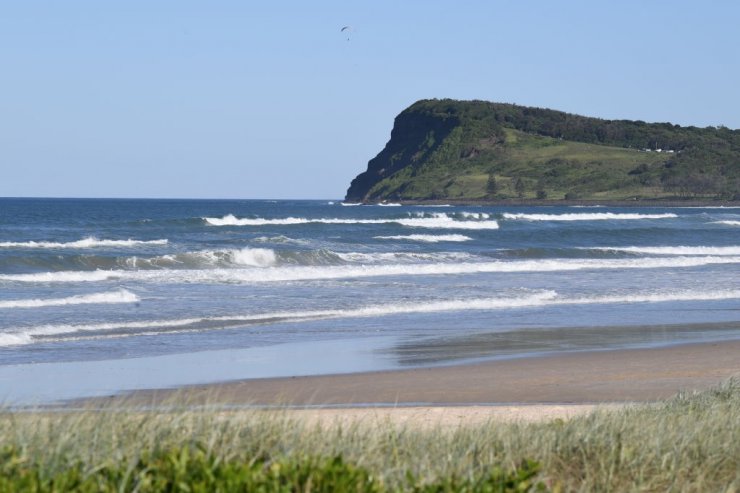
[[474, 215], [350, 204], [89, 242], [231, 220], [389, 204], [14, 339], [426, 238], [385, 257], [595, 216], [256, 257], [441, 220], [306, 273], [26, 335], [727, 223], [61, 276], [29, 333], [659, 297], [674, 250], [121, 296], [280, 239], [437, 220]]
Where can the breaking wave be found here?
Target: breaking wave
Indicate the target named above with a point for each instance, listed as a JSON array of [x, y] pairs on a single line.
[[426, 238], [120, 296], [434, 220], [674, 250], [317, 272], [89, 242], [727, 223], [27, 335], [594, 216]]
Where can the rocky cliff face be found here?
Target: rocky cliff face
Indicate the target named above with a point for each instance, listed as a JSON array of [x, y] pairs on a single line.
[[477, 150], [416, 134]]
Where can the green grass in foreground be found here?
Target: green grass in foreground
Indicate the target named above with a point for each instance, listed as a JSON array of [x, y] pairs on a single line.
[[689, 443]]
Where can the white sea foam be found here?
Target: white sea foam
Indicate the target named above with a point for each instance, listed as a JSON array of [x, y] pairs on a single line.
[[29, 333], [232, 220], [443, 221], [89, 242], [120, 296], [61, 276], [674, 250], [280, 239], [386, 257], [350, 204], [727, 223], [256, 257], [318, 272], [426, 238], [15, 339], [389, 204], [587, 216], [474, 215], [25, 335], [436, 220]]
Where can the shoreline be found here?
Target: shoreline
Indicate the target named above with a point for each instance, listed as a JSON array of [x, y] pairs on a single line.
[[620, 376], [563, 202]]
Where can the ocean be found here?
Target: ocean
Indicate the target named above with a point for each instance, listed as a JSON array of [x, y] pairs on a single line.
[[99, 296]]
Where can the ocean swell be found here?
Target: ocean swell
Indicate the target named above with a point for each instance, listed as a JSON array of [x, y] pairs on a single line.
[[25, 335]]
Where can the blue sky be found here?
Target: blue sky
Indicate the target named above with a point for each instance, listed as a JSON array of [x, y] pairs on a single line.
[[270, 100]]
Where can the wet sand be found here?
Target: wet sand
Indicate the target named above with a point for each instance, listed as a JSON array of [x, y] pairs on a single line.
[[618, 376]]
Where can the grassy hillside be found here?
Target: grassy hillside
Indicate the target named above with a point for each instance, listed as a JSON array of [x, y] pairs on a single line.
[[485, 151]]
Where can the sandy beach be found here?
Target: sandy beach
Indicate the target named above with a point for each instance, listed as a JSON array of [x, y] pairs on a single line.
[[526, 389]]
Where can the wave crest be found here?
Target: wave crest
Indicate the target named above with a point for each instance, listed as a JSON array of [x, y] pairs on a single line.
[[674, 250], [89, 242], [590, 216], [120, 296], [286, 273], [435, 220], [426, 238], [26, 335]]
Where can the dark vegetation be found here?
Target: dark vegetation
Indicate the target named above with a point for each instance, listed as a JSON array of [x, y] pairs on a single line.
[[193, 469], [476, 150], [690, 443]]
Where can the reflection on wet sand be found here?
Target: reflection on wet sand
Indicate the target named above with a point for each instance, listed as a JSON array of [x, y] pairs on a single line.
[[528, 342]]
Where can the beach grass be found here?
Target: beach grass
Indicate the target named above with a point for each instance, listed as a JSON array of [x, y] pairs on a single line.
[[688, 443]]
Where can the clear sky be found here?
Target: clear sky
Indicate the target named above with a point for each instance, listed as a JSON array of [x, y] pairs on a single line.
[[240, 99]]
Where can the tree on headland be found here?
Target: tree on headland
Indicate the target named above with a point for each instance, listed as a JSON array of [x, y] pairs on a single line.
[[491, 186], [519, 188]]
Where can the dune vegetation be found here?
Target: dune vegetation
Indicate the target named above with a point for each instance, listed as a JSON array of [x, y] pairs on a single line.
[[688, 443]]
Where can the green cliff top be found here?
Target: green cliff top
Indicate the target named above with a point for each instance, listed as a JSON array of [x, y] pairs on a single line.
[[480, 151]]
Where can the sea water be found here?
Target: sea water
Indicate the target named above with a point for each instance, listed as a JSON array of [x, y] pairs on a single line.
[[99, 296]]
